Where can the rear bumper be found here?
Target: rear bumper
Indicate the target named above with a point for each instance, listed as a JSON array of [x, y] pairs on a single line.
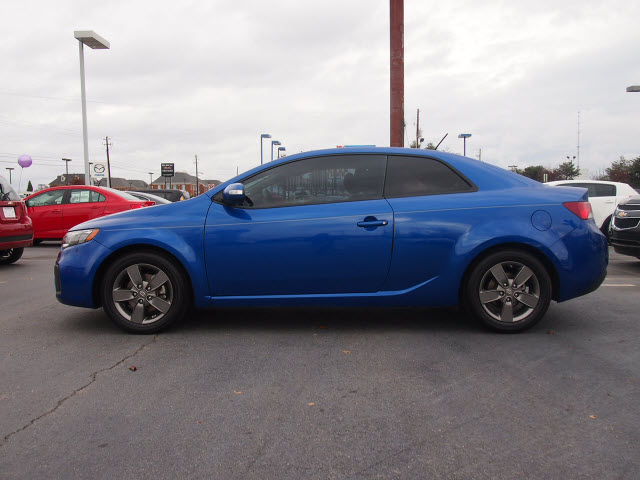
[[16, 235], [582, 258]]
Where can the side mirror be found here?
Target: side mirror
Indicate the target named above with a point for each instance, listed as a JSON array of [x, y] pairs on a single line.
[[233, 194]]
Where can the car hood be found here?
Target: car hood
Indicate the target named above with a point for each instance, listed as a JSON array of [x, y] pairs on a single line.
[[632, 200], [158, 216]]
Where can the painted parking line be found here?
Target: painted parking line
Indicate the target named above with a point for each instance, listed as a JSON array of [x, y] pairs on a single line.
[[618, 285]]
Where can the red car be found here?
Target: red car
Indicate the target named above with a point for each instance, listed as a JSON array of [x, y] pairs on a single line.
[[57, 209], [16, 231]]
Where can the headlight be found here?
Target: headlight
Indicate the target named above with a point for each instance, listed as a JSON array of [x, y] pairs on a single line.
[[79, 236]]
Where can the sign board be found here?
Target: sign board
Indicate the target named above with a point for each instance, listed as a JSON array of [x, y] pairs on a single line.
[[99, 170], [166, 169]]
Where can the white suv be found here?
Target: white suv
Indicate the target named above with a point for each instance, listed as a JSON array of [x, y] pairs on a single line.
[[603, 196]]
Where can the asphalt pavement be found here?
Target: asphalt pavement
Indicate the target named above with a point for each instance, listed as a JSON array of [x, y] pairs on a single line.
[[318, 393]]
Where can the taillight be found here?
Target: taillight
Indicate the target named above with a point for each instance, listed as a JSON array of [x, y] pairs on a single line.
[[136, 205], [580, 209]]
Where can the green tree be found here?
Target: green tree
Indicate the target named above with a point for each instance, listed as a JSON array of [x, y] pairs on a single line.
[[566, 171], [620, 170], [536, 172], [29, 187], [634, 173]]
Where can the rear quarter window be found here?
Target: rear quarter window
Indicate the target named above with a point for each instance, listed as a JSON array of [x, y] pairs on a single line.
[[418, 176]]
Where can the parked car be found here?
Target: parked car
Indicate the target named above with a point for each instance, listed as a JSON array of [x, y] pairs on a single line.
[[171, 194], [604, 197], [55, 210], [625, 228], [409, 227], [149, 197], [16, 229]]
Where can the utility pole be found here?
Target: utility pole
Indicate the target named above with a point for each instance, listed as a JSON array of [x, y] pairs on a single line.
[[480, 154], [418, 129], [197, 181], [108, 144], [10, 168], [513, 168], [578, 166], [67, 160], [396, 40]]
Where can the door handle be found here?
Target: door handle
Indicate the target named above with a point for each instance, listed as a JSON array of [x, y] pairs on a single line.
[[372, 223], [56, 211]]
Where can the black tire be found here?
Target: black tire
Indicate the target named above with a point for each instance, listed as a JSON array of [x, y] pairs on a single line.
[[501, 306], [163, 298], [11, 255], [37, 242], [605, 229]]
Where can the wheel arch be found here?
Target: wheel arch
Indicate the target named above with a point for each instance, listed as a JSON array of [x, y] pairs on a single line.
[[544, 259], [136, 248]]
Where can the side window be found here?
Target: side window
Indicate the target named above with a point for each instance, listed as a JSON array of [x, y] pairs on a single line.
[[96, 197], [603, 190], [53, 197], [417, 176], [339, 178], [79, 196]]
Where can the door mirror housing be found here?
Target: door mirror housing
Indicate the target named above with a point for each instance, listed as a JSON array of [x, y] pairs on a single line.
[[233, 194]]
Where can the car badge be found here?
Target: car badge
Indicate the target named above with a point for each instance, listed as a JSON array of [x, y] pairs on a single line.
[[622, 214]]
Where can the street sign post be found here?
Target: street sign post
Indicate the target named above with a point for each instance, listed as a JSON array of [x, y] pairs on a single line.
[[167, 171]]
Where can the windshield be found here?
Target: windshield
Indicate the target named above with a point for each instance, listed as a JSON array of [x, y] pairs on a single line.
[[7, 192], [125, 195]]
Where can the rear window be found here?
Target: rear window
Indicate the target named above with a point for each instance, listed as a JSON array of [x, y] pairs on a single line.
[[7, 193], [595, 189]]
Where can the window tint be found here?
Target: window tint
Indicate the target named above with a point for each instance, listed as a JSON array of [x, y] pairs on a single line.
[[415, 176], [340, 178], [54, 197], [595, 189], [7, 192]]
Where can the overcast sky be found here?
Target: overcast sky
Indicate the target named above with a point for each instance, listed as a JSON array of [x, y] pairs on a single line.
[[208, 77]]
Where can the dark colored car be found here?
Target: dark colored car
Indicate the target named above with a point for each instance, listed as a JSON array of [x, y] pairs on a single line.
[[373, 227], [16, 229], [149, 197], [171, 194], [625, 228], [55, 210]]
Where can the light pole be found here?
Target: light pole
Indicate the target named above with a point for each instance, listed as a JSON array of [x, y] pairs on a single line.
[[262, 137], [281, 149], [464, 136], [10, 168], [571, 159], [150, 178], [92, 40], [633, 88], [274, 142], [66, 168]]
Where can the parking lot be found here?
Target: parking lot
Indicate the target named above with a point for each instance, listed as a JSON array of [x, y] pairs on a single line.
[[318, 393]]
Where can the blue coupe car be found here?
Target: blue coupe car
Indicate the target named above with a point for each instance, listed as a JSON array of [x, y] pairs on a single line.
[[356, 227]]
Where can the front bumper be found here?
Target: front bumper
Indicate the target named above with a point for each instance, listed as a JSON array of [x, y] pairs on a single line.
[[626, 242], [75, 271]]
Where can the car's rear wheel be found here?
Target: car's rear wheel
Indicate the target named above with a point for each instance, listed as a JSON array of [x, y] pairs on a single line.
[[508, 291], [11, 255], [144, 292]]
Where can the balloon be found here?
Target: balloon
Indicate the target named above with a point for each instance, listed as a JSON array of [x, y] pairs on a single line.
[[24, 161]]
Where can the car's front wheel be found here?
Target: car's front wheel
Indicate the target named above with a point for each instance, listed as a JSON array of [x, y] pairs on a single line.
[[11, 255], [144, 292], [509, 291]]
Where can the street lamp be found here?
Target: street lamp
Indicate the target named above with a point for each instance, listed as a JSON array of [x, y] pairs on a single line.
[[10, 168], [465, 136], [571, 159], [274, 142], [262, 137], [92, 40], [633, 88], [281, 149], [150, 178]]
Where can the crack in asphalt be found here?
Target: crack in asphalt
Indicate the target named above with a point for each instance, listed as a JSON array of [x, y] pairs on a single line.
[[94, 377]]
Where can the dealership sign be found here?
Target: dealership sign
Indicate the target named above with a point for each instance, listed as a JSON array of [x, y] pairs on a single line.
[[167, 169], [98, 170]]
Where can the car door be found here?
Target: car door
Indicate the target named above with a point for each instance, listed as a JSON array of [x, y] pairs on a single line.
[[45, 210], [431, 205], [83, 204], [312, 226]]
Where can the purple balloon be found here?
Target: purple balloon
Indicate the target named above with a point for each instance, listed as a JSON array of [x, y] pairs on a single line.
[[24, 161]]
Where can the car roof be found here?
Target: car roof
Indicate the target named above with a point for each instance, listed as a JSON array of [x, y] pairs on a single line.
[[604, 182]]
